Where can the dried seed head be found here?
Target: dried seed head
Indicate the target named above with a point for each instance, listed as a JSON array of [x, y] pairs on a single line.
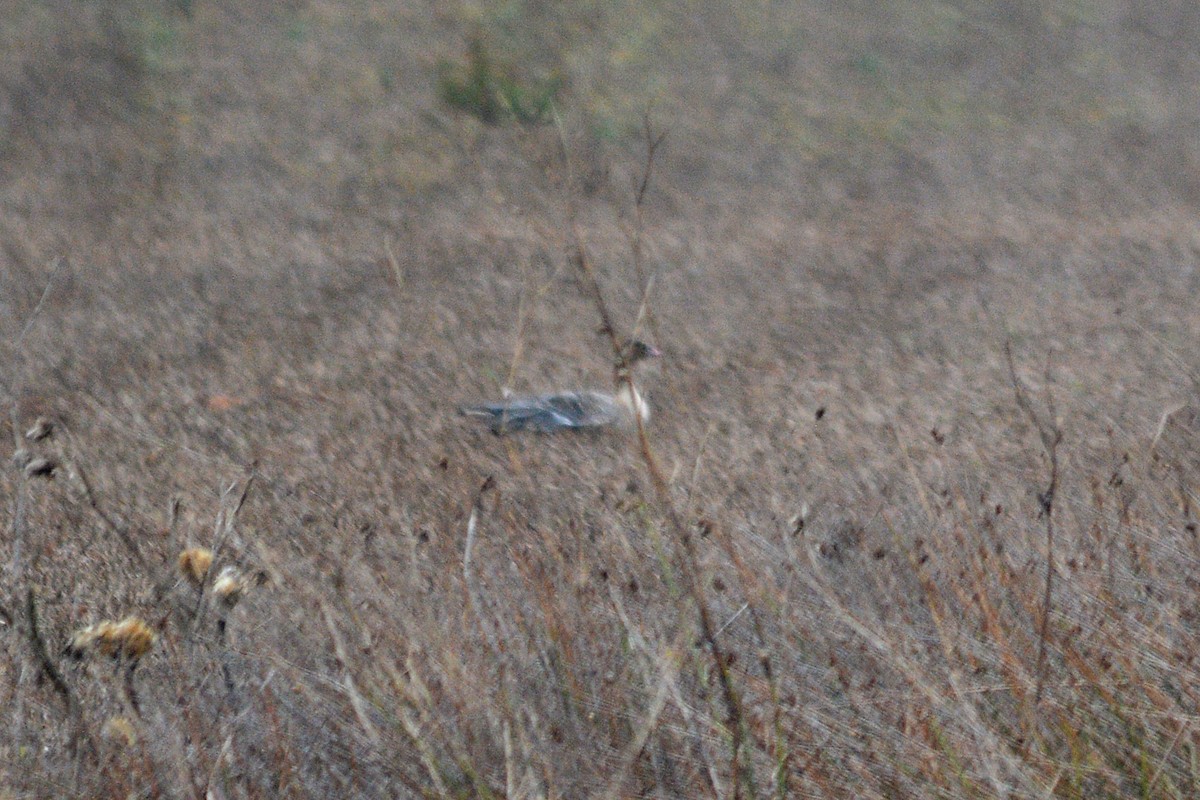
[[120, 731], [228, 587], [42, 429], [135, 637], [85, 639], [131, 638], [40, 468], [194, 564]]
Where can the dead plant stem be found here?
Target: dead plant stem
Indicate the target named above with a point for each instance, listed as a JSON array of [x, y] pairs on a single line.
[[1051, 436]]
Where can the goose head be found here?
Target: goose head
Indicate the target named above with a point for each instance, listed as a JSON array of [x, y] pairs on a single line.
[[637, 350]]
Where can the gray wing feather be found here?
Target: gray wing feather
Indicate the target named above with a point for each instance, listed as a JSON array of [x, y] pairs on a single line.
[[547, 413]]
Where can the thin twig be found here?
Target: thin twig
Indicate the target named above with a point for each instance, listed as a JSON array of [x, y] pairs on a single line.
[[652, 144], [394, 263], [1051, 436], [469, 576], [644, 310], [48, 668], [695, 480], [1166, 757], [58, 267], [16, 531], [108, 521], [357, 701], [473, 522], [732, 619], [222, 527], [518, 342], [38, 645], [131, 689]]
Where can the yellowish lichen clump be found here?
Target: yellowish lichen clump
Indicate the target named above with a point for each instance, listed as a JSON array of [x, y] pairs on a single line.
[[228, 587], [194, 564], [120, 730], [131, 638]]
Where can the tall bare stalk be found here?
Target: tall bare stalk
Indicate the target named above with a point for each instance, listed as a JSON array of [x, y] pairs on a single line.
[[690, 563], [1051, 436]]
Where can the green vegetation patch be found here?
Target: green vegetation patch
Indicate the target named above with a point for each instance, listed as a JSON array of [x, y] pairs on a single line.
[[483, 87]]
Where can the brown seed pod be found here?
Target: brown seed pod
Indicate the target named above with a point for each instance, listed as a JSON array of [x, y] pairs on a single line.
[[194, 564], [131, 638], [119, 730]]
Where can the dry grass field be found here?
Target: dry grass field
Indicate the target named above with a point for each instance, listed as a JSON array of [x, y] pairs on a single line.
[[916, 513]]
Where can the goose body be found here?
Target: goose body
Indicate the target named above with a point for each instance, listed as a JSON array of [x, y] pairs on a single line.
[[547, 413], [577, 410]]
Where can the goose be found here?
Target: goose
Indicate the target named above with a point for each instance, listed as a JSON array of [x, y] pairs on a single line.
[[575, 410]]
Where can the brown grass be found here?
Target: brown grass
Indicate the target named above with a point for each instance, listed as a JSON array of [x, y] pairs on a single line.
[[250, 266]]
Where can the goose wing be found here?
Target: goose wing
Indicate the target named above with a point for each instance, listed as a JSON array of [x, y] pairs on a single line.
[[547, 413]]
